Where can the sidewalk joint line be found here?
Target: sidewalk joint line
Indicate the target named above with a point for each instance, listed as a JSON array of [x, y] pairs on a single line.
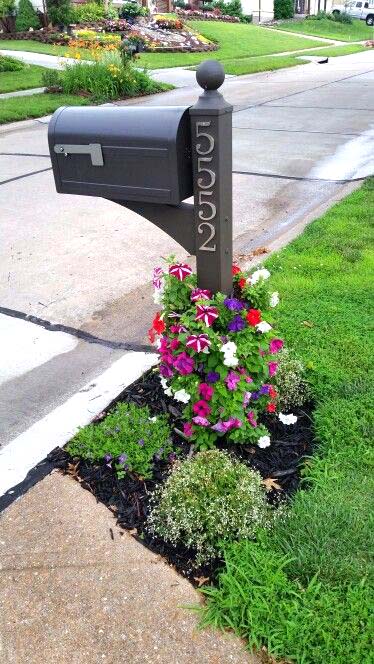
[[23, 154], [80, 334], [299, 178], [26, 175]]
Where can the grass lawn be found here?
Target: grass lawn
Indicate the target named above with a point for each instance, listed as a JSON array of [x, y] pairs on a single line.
[[38, 47], [253, 65], [30, 77], [236, 41], [35, 106], [303, 590], [357, 31], [333, 51]]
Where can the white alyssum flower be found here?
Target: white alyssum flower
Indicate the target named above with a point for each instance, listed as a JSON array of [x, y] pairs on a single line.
[[259, 274], [287, 419], [263, 442], [182, 395], [165, 387], [274, 299], [263, 327]]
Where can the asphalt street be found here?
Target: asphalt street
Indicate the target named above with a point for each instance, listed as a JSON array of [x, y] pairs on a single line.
[[302, 138]]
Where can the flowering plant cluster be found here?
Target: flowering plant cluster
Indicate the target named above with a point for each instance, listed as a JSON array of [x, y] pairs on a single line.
[[218, 354]]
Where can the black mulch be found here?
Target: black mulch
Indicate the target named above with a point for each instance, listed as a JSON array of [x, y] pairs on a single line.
[[128, 498]]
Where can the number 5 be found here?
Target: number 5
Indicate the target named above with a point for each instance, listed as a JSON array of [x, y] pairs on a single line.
[[199, 134]]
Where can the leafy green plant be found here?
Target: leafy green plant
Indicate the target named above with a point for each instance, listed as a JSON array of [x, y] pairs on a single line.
[[283, 9], [293, 389], [7, 12], [208, 501], [232, 8], [60, 12], [128, 438], [10, 64], [341, 17], [51, 78], [88, 12], [132, 10], [26, 17]]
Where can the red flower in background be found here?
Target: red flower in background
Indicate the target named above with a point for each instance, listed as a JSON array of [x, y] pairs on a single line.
[[242, 283], [158, 327], [235, 270], [272, 392], [253, 317], [180, 271], [271, 408]]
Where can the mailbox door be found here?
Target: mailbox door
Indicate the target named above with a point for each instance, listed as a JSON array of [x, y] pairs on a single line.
[[131, 153]]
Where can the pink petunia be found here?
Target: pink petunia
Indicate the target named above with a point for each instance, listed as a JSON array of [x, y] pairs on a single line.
[[174, 344], [275, 346], [157, 276], [198, 342], [200, 294], [206, 391], [187, 429], [184, 364], [232, 380], [200, 421], [251, 418], [177, 329], [206, 314], [201, 408], [273, 366], [180, 271]]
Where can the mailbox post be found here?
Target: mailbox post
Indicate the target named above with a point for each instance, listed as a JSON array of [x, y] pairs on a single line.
[[150, 160]]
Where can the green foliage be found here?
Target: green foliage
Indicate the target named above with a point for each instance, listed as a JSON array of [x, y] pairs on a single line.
[[232, 8], [10, 64], [293, 389], [7, 8], [26, 16], [111, 12], [108, 78], [283, 9], [51, 78], [341, 17], [88, 12], [60, 12], [312, 624], [331, 29], [313, 571], [208, 501], [128, 438], [132, 10]]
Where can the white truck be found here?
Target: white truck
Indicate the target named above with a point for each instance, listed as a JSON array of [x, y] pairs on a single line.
[[363, 9]]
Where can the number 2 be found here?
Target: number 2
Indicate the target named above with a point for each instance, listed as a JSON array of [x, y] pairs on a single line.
[[211, 236]]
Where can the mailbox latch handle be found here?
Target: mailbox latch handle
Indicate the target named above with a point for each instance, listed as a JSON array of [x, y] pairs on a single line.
[[93, 149]]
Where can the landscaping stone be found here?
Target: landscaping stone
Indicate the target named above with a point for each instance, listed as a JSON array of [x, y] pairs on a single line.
[[74, 588]]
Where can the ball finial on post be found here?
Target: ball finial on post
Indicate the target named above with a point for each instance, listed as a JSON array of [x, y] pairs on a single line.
[[210, 75]]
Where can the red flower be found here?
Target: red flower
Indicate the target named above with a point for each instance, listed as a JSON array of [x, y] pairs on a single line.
[[180, 271], [254, 317], [158, 324], [272, 392], [235, 270], [271, 407], [206, 314], [242, 283], [201, 408]]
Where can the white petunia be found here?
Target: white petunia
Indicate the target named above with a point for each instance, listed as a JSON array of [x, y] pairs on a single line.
[[263, 327], [287, 419], [153, 419], [229, 348], [182, 395], [259, 274], [158, 344], [230, 361], [165, 387], [157, 296], [263, 442], [274, 299]]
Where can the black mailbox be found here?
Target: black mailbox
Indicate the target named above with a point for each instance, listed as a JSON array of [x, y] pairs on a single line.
[[130, 153]]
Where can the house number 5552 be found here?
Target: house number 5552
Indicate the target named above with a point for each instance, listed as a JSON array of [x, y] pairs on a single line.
[[207, 210]]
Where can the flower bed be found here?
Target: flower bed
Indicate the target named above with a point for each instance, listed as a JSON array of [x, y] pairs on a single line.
[[211, 403]]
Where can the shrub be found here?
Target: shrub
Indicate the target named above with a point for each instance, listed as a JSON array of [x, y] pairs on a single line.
[[218, 353], [10, 64], [341, 17], [60, 12], [26, 17], [232, 8], [128, 438], [132, 10], [89, 13], [283, 9], [207, 502], [7, 12], [293, 389], [246, 18], [111, 12]]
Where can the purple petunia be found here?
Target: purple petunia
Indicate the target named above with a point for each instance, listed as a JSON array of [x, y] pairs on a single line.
[[107, 458], [122, 458], [184, 364], [236, 324], [212, 376], [141, 442], [264, 389], [233, 304]]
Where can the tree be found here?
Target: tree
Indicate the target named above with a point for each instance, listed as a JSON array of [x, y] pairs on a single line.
[[26, 16], [7, 12], [59, 11], [283, 9]]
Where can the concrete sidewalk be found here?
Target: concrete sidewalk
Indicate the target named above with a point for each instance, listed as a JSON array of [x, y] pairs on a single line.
[[74, 589]]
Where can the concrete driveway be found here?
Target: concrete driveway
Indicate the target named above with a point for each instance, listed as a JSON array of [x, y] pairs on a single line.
[[85, 263]]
